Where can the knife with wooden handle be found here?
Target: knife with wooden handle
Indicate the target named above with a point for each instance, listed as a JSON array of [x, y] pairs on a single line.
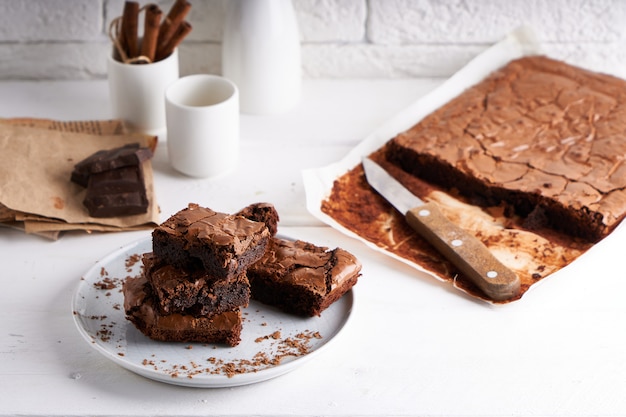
[[464, 250]]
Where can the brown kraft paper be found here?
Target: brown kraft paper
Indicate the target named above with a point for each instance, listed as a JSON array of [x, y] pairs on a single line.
[[35, 168]]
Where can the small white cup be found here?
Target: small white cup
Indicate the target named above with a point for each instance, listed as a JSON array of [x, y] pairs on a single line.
[[202, 113], [137, 90]]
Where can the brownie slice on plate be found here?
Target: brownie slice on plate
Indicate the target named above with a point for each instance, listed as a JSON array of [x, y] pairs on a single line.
[[193, 291], [301, 278], [262, 212], [140, 308], [225, 245]]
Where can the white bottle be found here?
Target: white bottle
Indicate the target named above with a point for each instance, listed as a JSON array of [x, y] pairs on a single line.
[[261, 54]]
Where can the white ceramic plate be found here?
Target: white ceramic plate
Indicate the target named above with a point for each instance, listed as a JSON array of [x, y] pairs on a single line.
[[267, 333]]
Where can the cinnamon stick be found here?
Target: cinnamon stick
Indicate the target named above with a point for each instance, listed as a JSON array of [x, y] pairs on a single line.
[[170, 25], [183, 29], [130, 19], [151, 31]]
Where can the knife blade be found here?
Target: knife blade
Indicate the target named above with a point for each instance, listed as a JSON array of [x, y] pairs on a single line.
[[464, 250]]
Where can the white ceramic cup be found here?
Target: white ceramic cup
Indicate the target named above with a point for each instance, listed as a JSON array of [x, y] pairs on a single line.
[[202, 113], [137, 90]]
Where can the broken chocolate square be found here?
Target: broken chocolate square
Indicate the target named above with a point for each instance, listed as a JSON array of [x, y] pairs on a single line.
[[114, 180], [107, 159]]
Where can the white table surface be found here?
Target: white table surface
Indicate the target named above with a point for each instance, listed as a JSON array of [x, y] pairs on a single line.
[[414, 345]]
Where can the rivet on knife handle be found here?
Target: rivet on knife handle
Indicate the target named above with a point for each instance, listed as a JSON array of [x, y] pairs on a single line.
[[465, 251]]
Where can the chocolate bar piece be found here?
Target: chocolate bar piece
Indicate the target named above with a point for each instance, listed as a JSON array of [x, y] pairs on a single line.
[[114, 181], [105, 160], [117, 180], [112, 205], [117, 192]]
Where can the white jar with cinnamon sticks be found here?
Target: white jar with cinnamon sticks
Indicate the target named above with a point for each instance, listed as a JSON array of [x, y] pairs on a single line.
[[140, 68], [261, 54], [137, 92]]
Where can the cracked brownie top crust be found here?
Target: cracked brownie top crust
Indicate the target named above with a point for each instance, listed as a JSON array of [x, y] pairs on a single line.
[[225, 245], [302, 278], [546, 139]]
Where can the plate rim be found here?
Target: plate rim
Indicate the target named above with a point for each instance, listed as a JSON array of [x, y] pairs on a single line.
[[201, 380]]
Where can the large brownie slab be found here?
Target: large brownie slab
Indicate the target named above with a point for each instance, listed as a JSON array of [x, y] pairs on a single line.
[[543, 138]]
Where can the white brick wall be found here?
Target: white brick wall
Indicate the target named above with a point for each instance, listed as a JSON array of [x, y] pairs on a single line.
[[66, 39]]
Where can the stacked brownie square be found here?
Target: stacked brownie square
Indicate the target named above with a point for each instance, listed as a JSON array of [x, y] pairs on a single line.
[[301, 278], [205, 266], [194, 282]]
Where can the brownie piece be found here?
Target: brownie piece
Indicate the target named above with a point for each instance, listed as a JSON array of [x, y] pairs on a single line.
[[141, 311], [116, 192], [543, 138], [262, 212], [193, 291], [301, 278], [225, 245], [128, 155]]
